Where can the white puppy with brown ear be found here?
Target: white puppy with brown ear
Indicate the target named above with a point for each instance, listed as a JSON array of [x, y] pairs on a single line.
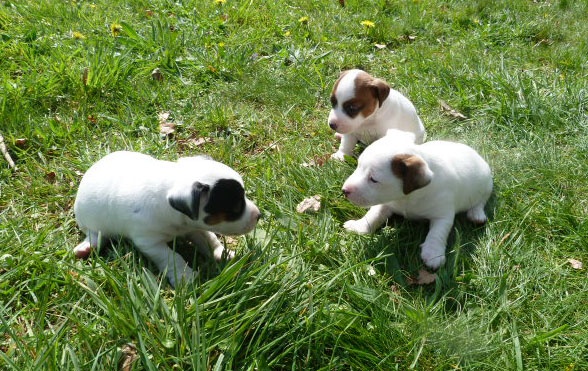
[[364, 108], [151, 201], [431, 181]]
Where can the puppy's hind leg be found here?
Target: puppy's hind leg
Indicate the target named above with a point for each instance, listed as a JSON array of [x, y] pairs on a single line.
[[477, 215], [208, 242], [93, 239]]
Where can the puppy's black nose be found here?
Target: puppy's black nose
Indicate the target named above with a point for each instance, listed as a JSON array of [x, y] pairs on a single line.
[[259, 216], [333, 125], [346, 192]]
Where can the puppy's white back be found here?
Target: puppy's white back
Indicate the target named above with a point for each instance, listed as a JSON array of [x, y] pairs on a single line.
[[459, 171], [109, 191]]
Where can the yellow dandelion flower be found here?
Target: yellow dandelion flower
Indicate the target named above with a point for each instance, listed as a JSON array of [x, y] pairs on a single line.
[[115, 29], [303, 20], [78, 35], [220, 2], [221, 44], [287, 33], [368, 24]]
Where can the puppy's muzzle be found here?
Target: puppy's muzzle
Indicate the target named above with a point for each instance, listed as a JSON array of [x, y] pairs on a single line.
[[346, 191]]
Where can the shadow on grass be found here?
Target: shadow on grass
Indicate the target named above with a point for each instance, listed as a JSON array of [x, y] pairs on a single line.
[[110, 250], [400, 241]]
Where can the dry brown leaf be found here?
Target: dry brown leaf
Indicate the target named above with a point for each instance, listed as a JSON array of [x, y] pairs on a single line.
[[576, 264], [317, 161], [200, 141], [51, 177], [448, 110], [163, 116], [166, 128], [310, 204], [21, 142], [129, 354], [157, 75], [424, 278]]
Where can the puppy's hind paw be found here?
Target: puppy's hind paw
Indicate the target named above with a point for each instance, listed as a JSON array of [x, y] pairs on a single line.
[[83, 250], [357, 226], [476, 215]]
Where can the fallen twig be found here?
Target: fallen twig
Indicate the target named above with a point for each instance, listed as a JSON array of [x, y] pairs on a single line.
[[5, 153]]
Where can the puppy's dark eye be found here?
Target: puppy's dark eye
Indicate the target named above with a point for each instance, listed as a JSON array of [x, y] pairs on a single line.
[[333, 101], [373, 180], [352, 109]]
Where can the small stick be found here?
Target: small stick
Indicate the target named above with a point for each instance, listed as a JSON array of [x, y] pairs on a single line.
[[5, 153]]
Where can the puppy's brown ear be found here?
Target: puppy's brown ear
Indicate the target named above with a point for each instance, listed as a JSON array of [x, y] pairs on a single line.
[[381, 90], [188, 201], [413, 170]]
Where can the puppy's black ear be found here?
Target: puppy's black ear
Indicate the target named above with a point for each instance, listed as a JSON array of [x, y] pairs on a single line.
[[188, 202], [381, 89], [413, 170]]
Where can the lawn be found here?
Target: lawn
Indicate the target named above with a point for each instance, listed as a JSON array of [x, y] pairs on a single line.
[[248, 82]]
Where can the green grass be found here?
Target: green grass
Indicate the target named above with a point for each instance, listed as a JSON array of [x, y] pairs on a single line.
[[254, 79]]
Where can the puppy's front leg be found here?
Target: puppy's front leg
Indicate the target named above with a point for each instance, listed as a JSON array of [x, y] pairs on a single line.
[[207, 241], [166, 259], [433, 249], [346, 147], [372, 220]]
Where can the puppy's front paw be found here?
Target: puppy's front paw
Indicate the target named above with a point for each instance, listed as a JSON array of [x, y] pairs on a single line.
[[186, 276], [433, 256], [340, 156], [220, 254], [358, 226]]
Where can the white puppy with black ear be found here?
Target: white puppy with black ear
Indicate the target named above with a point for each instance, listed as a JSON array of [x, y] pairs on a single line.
[[151, 201], [431, 181], [365, 108]]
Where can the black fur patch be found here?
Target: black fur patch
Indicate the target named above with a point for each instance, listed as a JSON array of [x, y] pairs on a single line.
[[226, 201]]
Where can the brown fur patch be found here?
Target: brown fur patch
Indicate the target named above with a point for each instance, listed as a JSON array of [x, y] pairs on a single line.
[[411, 169], [382, 89], [366, 98], [214, 219]]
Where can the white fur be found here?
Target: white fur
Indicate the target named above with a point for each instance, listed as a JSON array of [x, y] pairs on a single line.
[[396, 112], [459, 180], [126, 194]]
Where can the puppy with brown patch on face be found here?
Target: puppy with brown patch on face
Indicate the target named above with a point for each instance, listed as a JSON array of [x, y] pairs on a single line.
[[365, 108], [432, 181], [151, 202]]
